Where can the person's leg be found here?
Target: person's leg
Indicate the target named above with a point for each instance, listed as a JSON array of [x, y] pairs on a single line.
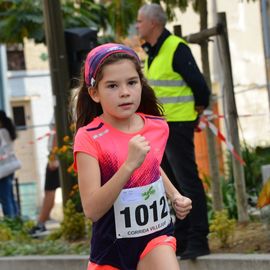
[[181, 156], [14, 202], [6, 196], [52, 182], [159, 254], [48, 203]]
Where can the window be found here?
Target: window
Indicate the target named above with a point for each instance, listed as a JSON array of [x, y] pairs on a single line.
[[15, 57], [19, 117]]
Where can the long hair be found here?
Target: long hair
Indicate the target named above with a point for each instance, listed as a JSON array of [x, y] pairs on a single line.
[[6, 122], [86, 109]]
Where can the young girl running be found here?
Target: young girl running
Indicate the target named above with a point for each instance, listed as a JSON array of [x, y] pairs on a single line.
[[119, 144]]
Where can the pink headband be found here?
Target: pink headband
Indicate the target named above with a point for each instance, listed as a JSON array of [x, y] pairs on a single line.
[[97, 56]]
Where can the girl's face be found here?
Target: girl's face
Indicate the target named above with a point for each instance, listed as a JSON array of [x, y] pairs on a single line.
[[119, 90]]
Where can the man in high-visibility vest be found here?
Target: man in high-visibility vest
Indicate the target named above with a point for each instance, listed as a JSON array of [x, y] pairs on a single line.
[[179, 85]]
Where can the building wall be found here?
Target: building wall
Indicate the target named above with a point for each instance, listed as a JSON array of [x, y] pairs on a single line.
[[32, 90], [36, 56]]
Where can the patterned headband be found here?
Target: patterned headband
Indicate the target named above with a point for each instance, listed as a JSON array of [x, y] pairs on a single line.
[[97, 56]]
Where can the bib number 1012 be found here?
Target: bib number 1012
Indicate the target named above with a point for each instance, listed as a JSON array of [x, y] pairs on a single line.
[[143, 213]]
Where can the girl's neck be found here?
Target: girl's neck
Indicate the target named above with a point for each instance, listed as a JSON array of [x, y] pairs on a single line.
[[128, 125]]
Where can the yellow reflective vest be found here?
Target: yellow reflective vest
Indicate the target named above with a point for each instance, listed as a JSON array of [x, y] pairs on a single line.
[[170, 88]]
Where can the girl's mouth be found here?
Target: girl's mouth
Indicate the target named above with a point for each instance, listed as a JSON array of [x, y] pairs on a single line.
[[125, 105]]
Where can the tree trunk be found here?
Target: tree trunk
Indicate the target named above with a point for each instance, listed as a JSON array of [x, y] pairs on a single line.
[[60, 81]]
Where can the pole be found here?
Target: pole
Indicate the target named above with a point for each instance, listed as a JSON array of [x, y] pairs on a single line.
[[202, 39], [265, 15], [60, 79], [231, 114], [3, 80]]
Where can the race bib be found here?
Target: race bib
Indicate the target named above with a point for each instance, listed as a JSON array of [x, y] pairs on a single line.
[[141, 211]]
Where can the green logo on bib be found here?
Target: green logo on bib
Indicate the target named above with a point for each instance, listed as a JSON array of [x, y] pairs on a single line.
[[148, 193]]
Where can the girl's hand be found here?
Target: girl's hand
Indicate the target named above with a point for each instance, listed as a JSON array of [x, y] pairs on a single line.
[[182, 205], [138, 147]]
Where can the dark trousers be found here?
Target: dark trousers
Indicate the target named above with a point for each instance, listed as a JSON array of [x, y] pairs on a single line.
[[9, 205], [180, 166]]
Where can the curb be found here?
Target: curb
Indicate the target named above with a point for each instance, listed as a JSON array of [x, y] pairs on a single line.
[[77, 262], [228, 262]]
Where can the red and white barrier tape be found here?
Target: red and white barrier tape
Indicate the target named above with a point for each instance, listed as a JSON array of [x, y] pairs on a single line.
[[47, 134], [212, 115], [205, 122]]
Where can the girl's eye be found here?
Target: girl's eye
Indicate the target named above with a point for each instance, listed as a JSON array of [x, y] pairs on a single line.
[[112, 85], [133, 82]]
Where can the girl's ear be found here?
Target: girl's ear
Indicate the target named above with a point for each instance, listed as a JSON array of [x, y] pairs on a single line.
[[93, 93]]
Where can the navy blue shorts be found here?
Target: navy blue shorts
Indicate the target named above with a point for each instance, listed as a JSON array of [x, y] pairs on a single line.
[[123, 253]]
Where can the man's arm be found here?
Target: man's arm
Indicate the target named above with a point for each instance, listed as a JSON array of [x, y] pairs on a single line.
[[185, 64]]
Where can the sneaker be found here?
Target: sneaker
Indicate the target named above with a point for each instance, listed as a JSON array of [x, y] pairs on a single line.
[[38, 231]]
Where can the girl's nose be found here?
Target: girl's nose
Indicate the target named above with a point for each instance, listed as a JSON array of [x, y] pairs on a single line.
[[124, 91]]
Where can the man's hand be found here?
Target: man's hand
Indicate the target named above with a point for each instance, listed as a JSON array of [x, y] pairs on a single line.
[[53, 164], [199, 109]]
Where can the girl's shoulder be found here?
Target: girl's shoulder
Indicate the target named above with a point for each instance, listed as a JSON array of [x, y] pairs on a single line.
[[94, 124], [150, 116], [154, 120], [89, 129]]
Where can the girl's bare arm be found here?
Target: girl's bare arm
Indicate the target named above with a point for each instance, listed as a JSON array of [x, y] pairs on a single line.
[[97, 199]]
